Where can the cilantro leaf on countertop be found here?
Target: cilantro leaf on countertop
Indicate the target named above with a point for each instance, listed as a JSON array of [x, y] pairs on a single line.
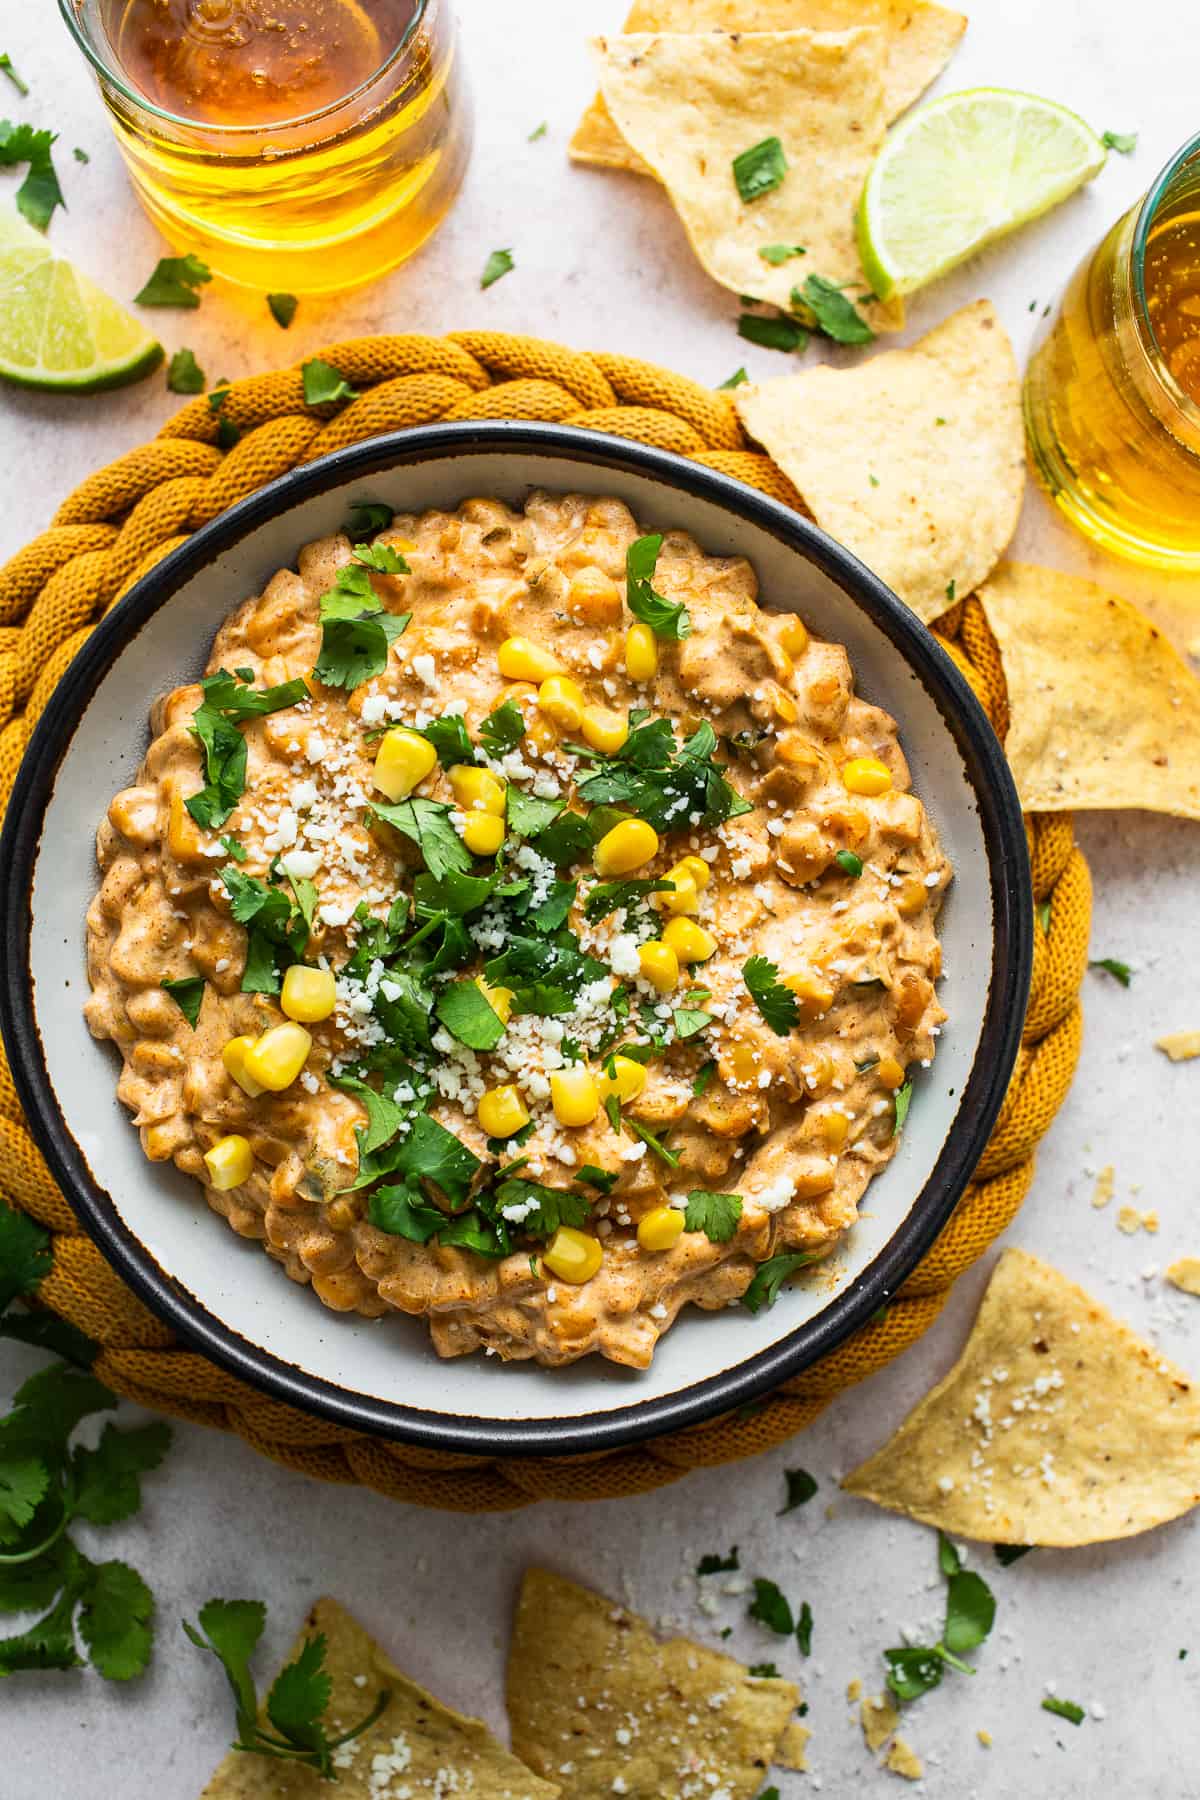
[[801, 1487], [184, 374], [775, 1002], [769, 1278], [282, 308], [323, 384], [832, 313], [6, 68], [913, 1669], [175, 282], [188, 995], [1064, 1709], [737, 379], [427, 823], [107, 1488], [1119, 971], [718, 1565], [772, 333], [498, 264], [39, 193], [116, 1620], [760, 169], [804, 1629], [1007, 1554], [1123, 142], [666, 618], [716, 1215], [298, 1700], [770, 1608]]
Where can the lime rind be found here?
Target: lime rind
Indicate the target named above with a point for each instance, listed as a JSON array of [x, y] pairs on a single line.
[[962, 171]]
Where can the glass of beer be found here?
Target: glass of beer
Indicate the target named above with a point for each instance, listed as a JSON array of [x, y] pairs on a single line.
[[1112, 396], [300, 146]]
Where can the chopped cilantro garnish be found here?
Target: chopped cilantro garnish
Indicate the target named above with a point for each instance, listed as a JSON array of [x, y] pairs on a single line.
[[912, 1671], [188, 995], [769, 1278], [184, 374], [617, 896], [719, 1565], [770, 1608], [357, 631], [831, 312], [669, 788], [902, 1102], [448, 735], [277, 930], [226, 704], [1064, 1709], [427, 823], [1007, 1554], [781, 253], [737, 379], [804, 1629], [775, 1002], [39, 193], [469, 1017], [654, 1144], [323, 384], [772, 333], [498, 264], [801, 1487], [6, 67], [716, 1215], [951, 589], [175, 282], [690, 1021], [846, 859], [604, 1179], [528, 815], [503, 729], [666, 618], [282, 308], [539, 131], [366, 517], [1118, 970], [765, 1671], [760, 169], [542, 1209], [704, 1075], [1124, 142]]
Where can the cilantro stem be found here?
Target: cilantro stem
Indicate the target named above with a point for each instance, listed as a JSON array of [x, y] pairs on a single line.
[[955, 1662], [385, 1695], [68, 1513]]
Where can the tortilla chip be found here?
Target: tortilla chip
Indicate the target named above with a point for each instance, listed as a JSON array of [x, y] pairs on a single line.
[[902, 1759], [1102, 1193], [791, 1752], [690, 104], [1185, 1275], [878, 1717], [914, 459], [1103, 711], [921, 39], [595, 1700], [426, 1749], [1180, 1046], [1056, 1426]]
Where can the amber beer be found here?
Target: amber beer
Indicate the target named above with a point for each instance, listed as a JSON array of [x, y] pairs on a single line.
[[1112, 397], [298, 145]]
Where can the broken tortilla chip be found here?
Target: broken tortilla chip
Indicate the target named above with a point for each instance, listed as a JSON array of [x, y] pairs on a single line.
[[1103, 712], [878, 1717], [902, 1759], [914, 459], [691, 104], [590, 1686], [1180, 1046], [416, 1747], [1185, 1275], [791, 1752], [921, 39], [1056, 1426]]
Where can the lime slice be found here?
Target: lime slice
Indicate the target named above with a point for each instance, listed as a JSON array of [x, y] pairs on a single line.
[[961, 171], [57, 328]]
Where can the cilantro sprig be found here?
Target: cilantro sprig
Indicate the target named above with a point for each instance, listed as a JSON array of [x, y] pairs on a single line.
[[297, 1702], [176, 281], [277, 926], [716, 1215], [775, 1002], [227, 703], [39, 193], [913, 1669], [823, 305], [357, 631], [666, 618], [770, 1276]]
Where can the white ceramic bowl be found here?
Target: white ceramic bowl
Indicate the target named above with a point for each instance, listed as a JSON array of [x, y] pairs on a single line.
[[224, 1295]]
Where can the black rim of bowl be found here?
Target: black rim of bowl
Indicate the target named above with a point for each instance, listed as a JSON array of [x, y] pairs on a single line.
[[1004, 833]]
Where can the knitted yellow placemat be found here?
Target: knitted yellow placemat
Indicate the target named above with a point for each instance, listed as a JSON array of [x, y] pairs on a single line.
[[114, 527]]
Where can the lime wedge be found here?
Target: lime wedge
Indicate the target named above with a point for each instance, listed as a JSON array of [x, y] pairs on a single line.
[[58, 329], [961, 171]]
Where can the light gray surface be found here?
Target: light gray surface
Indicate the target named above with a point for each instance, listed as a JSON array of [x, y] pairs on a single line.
[[602, 263]]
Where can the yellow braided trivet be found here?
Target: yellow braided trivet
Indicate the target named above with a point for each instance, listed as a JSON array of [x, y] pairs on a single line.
[[117, 524]]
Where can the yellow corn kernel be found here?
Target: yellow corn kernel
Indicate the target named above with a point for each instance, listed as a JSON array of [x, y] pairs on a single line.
[[658, 965], [521, 660], [890, 1073], [403, 759], [229, 1163], [604, 730], [594, 597], [502, 1112], [234, 1057], [834, 1129], [482, 833], [796, 751], [911, 896], [627, 1080], [309, 995], [561, 699], [814, 994], [574, 1096], [500, 999], [696, 868], [183, 834], [681, 897], [641, 653], [626, 847], [572, 1255], [278, 1056], [477, 790], [744, 1061], [866, 775], [660, 1229], [794, 637], [690, 942]]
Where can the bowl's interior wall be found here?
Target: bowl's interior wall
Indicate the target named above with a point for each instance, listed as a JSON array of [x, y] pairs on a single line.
[[235, 1281]]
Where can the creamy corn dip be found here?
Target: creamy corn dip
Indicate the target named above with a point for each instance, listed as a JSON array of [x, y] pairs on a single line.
[[521, 928]]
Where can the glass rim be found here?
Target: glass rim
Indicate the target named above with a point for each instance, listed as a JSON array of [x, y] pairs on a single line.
[[1147, 210], [109, 71]]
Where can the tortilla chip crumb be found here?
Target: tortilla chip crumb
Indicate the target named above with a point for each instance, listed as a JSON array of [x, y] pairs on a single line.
[[1180, 1046], [831, 1511], [985, 1737], [854, 1691], [902, 1759], [879, 1718], [1185, 1275], [1103, 1190], [1129, 1220], [791, 1748]]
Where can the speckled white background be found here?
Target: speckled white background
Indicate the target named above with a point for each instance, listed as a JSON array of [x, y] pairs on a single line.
[[602, 263]]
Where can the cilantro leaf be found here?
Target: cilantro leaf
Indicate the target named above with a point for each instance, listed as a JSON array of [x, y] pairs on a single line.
[[846, 859], [772, 333], [769, 1278], [499, 263], [718, 1565], [1118, 970], [24, 1483], [1064, 1709], [833, 314], [804, 1629], [765, 1671], [226, 703], [432, 1154], [537, 1210], [174, 282], [760, 169], [737, 379], [29, 1586], [654, 1144], [282, 308], [666, 618], [25, 1259], [1007, 1554], [970, 1611], [1124, 142], [690, 1021], [704, 1075], [770, 1608], [503, 729], [46, 1331], [801, 1487], [604, 1179], [107, 1487], [775, 254], [716, 1215], [384, 1115], [469, 1016], [188, 995], [775, 1002], [50, 1405], [116, 1621], [300, 1695], [913, 1671], [448, 735], [366, 518], [902, 1102], [427, 823], [529, 816], [949, 1561], [49, 1644], [39, 193], [619, 896], [357, 630], [276, 929], [184, 374], [323, 384], [6, 67], [230, 1630]]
